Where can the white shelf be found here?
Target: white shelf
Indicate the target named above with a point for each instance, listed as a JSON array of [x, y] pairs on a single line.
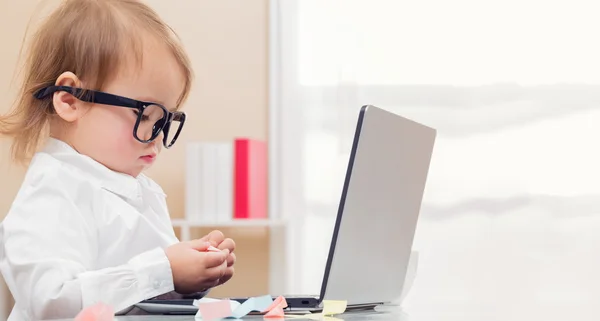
[[232, 223]]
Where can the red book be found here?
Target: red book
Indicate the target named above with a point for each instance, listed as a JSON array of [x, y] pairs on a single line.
[[250, 179]]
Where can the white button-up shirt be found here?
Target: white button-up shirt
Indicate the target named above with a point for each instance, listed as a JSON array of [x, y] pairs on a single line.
[[79, 233]]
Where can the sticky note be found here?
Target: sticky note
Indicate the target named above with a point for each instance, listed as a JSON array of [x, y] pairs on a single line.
[[331, 307], [262, 303], [236, 310], [210, 309], [96, 312], [275, 310], [213, 249], [279, 302], [259, 303], [214, 310]]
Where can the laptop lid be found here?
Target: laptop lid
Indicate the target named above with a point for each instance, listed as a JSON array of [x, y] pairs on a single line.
[[378, 210]]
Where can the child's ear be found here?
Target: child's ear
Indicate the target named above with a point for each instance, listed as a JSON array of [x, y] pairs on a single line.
[[66, 105]]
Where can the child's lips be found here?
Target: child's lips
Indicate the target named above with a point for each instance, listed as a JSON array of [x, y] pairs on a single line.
[[149, 158]]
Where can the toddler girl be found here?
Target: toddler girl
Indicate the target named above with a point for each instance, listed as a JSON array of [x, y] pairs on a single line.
[[103, 84]]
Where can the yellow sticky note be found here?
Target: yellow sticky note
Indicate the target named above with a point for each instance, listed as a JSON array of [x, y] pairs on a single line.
[[331, 307]]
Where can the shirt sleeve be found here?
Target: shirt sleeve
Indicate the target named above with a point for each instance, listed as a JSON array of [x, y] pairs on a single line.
[[48, 254]]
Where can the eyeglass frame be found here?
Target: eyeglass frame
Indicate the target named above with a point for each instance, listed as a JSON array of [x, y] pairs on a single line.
[[103, 98]]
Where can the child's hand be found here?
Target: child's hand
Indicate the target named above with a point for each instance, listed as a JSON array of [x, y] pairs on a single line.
[[195, 268], [217, 239]]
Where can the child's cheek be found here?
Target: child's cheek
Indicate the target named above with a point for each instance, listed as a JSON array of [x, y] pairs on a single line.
[[123, 140], [128, 137]]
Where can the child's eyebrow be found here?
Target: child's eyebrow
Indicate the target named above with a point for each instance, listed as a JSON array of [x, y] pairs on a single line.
[[151, 100], [156, 101]]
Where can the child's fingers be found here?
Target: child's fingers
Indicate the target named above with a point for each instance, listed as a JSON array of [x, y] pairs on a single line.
[[215, 237], [227, 244], [211, 279], [216, 272], [200, 245], [213, 249], [227, 275], [231, 259], [215, 259]]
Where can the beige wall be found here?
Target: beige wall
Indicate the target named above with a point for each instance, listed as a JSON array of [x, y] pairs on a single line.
[[229, 98], [227, 42]]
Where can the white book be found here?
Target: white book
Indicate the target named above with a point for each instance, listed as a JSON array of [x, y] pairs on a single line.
[[225, 154], [193, 181], [209, 184]]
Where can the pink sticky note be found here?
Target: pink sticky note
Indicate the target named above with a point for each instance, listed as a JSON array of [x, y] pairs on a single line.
[[279, 303], [96, 312], [215, 310], [276, 312], [213, 249]]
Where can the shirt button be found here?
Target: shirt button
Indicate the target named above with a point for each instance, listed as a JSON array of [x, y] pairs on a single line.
[[157, 284]]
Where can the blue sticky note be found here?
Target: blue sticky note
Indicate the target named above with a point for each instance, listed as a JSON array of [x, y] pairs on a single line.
[[259, 303], [263, 302]]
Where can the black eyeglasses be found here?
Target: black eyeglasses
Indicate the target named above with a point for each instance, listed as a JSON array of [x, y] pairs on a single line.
[[152, 118]]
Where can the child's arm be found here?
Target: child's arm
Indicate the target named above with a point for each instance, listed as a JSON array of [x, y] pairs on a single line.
[[47, 261]]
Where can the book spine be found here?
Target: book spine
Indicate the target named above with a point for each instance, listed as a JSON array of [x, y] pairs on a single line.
[[258, 180], [241, 179], [193, 181], [209, 184], [250, 177], [225, 168]]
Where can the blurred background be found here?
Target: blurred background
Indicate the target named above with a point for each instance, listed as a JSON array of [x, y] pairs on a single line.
[[510, 223]]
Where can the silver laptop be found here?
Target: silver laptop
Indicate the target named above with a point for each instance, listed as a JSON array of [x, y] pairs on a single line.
[[378, 211], [377, 215]]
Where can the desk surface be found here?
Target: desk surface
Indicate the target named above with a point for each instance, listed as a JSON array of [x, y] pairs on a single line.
[[458, 312], [390, 315], [383, 314]]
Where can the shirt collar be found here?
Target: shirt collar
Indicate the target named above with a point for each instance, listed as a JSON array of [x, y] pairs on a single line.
[[118, 183]]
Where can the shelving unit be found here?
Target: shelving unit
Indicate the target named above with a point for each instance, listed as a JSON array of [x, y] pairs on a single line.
[[185, 225]]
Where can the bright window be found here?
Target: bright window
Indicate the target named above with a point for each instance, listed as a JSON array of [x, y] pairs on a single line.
[[511, 215]]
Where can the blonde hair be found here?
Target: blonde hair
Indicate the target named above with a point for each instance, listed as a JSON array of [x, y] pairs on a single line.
[[92, 39]]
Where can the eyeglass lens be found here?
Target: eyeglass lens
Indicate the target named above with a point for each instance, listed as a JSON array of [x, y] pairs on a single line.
[[150, 123]]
